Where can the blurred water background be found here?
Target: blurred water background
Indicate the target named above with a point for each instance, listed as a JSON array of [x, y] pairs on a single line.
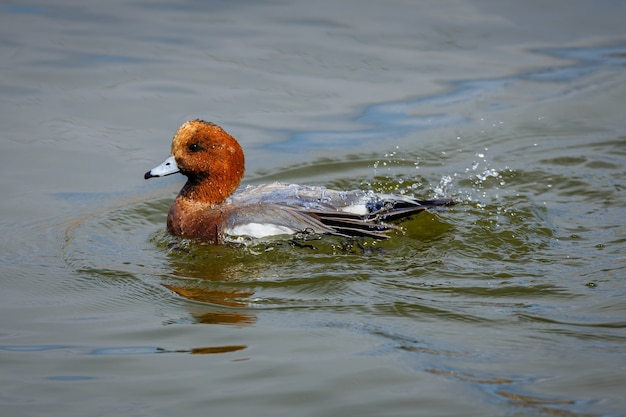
[[512, 303]]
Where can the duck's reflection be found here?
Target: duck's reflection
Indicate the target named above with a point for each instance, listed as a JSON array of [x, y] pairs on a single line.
[[211, 313], [220, 280], [206, 350]]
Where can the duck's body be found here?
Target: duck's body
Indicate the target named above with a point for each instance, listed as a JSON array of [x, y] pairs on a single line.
[[211, 208]]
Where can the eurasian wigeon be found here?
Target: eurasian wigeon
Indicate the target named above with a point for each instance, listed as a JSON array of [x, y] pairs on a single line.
[[209, 207]]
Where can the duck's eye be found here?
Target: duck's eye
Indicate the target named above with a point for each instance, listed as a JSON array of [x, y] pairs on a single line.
[[194, 147]]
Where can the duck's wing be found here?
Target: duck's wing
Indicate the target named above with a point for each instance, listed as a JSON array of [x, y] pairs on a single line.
[[263, 220], [275, 219], [349, 224], [290, 208]]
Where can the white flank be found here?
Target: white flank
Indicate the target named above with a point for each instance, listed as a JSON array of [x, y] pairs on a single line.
[[258, 230]]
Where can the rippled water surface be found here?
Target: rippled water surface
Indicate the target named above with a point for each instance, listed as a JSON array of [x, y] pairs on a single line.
[[511, 303]]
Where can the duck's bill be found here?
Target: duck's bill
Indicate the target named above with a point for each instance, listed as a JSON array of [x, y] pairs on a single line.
[[168, 167]]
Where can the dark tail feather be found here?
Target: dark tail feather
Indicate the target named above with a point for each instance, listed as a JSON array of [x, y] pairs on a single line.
[[404, 209], [348, 224], [371, 225]]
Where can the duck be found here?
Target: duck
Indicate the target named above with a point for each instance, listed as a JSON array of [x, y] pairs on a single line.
[[213, 208]]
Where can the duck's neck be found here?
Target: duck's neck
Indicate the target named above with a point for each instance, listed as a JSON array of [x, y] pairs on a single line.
[[207, 190]]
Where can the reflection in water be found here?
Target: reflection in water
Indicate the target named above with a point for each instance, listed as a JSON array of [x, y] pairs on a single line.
[[206, 350], [219, 296], [230, 297], [122, 351], [202, 274]]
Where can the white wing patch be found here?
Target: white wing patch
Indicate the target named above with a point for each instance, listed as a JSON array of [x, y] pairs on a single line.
[[359, 209], [259, 230]]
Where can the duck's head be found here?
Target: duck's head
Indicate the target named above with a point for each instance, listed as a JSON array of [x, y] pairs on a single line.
[[211, 159]]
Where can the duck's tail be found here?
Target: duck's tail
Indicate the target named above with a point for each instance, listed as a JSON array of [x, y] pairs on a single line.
[[375, 224]]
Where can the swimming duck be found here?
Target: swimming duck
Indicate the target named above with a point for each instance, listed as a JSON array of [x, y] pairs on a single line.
[[211, 206]]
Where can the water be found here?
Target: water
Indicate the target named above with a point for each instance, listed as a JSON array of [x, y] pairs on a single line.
[[510, 303]]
